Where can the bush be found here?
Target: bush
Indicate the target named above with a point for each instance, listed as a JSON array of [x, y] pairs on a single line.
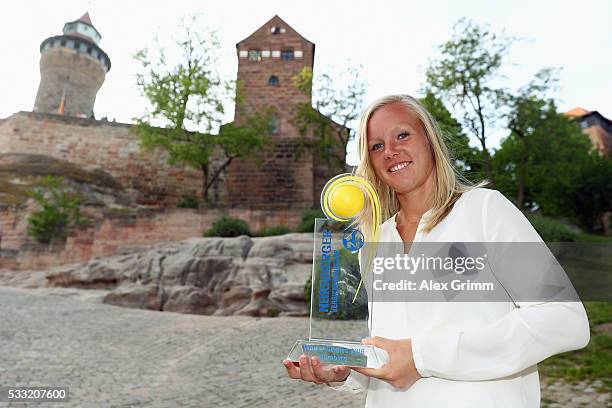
[[308, 217], [272, 312], [551, 230], [58, 211], [228, 227], [271, 231], [188, 202]]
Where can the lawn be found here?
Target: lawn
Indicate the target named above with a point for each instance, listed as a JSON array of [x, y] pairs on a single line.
[[594, 362]]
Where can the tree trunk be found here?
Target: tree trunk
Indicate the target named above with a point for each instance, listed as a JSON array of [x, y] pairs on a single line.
[[204, 169], [520, 199]]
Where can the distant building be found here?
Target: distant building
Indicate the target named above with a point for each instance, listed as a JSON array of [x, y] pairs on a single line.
[[268, 59], [596, 126], [72, 70]]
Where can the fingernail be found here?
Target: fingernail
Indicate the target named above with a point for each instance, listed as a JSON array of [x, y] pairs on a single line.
[[315, 361]]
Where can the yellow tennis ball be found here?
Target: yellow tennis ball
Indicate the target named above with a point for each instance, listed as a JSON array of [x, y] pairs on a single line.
[[346, 201]]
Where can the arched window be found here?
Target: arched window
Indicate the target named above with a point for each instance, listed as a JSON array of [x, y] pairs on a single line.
[[273, 80]]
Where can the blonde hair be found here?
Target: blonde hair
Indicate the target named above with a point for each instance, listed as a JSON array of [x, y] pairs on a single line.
[[449, 183]]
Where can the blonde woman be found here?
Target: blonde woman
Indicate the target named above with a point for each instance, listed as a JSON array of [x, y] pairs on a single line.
[[445, 354]]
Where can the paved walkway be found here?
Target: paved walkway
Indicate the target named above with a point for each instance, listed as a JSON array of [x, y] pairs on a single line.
[[116, 357]]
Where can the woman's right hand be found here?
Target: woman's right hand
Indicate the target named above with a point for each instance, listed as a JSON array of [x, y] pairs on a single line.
[[312, 370]]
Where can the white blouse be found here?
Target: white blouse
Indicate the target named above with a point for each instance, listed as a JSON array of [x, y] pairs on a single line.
[[473, 354]]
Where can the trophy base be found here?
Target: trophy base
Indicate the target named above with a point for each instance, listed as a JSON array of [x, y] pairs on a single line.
[[339, 353]]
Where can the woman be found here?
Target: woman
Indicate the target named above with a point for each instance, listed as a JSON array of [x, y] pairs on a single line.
[[445, 354]]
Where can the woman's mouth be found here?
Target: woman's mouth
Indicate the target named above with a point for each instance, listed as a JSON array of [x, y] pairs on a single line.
[[397, 167]]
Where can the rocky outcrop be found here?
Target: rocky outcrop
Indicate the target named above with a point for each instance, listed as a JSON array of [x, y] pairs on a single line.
[[211, 276]]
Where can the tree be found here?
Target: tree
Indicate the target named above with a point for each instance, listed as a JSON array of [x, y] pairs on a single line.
[[464, 77], [466, 157], [537, 162], [59, 210], [324, 120], [532, 116], [187, 99], [589, 196]]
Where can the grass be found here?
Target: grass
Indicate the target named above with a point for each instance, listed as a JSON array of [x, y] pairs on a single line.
[[593, 238], [594, 362]]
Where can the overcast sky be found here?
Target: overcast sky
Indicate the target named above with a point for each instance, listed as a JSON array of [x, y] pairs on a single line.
[[392, 40]]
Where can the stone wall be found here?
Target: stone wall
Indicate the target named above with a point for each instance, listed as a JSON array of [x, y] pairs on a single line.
[[120, 232], [94, 144]]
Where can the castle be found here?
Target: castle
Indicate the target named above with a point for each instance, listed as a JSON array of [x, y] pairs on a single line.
[[72, 69], [62, 132]]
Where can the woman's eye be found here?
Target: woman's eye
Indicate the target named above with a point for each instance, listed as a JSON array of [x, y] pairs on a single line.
[[403, 135], [376, 146]]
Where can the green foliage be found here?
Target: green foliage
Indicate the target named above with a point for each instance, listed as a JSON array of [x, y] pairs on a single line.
[[59, 210], [228, 227], [188, 202], [551, 230], [588, 195], [272, 312], [546, 162], [271, 231], [324, 119], [308, 220], [466, 157], [187, 99], [465, 75]]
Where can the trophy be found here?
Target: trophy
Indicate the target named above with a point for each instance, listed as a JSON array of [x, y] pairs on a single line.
[[339, 312]]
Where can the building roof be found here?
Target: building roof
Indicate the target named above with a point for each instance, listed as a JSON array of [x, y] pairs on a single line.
[[275, 21], [576, 112], [85, 19]]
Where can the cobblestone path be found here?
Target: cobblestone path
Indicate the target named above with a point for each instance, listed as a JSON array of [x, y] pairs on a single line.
[[116, 357]]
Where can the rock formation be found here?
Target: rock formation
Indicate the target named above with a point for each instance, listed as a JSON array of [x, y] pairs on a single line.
[[211, 276]]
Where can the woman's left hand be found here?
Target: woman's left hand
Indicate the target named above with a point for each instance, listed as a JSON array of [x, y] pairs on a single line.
[[400, 371]]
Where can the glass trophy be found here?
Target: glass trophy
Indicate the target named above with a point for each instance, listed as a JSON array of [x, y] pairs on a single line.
[[339, 312]]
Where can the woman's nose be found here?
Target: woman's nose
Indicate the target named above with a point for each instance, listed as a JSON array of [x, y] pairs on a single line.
[[390, 150]]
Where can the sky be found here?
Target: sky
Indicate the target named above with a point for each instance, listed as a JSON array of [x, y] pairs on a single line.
[[392, 40]]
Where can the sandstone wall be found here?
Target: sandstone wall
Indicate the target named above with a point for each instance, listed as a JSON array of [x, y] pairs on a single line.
[[118, 233], [95, 144]]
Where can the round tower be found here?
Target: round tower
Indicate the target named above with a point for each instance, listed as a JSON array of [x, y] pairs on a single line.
[[72, 70]]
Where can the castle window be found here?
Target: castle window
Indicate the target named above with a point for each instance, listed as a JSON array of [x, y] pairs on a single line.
[[287, 55], [76, 45], [89, 50], [275, 30], [63, 43], [273, 80], [254, 55]]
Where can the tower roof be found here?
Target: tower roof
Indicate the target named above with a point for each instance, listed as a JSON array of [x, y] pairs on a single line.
[[274, 21], [83, 27], [85, 19]]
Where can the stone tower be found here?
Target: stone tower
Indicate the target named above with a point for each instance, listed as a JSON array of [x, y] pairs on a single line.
[[72, 70], [267, 61]]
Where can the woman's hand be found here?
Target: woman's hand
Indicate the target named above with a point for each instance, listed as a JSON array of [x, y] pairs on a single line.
[[400, 371], [312, 370]]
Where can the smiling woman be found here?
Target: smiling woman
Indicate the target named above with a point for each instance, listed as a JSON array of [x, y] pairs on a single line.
[[441, 354]]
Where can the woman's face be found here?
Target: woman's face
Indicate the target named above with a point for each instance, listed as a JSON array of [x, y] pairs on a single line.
[[399, 150]]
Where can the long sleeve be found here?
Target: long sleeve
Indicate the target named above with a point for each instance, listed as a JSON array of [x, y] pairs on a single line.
[[523, 337]]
